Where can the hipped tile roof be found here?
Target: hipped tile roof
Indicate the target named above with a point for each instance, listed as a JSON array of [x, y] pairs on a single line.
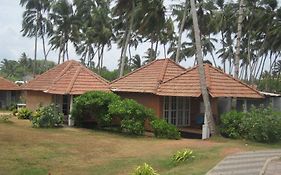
[[219, 84], [71, 77], [166, 78], [8, 85], [147, 78]]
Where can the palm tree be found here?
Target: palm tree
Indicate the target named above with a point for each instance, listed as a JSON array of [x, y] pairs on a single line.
[[125, 10], [184, 16], [65, 28], [238, 39], [152, 23], [36, 23], [95, 29], [203, 85]]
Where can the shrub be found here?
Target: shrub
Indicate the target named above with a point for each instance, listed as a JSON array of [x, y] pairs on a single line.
[[262, 125], [145, 169], [24, 113], [93, 104], [182, 155], [259, 124], [162, 129], [47, 117], [231, 124], [132, 114]]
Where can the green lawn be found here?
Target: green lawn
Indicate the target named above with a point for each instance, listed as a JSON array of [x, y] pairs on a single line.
[[26, 150]]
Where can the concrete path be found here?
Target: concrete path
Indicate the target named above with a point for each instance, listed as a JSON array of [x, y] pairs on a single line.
[[273, 168], [248, 163]]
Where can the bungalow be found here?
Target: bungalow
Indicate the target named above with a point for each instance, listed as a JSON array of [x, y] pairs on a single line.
[[9, 93], [174, 92], [59, 84]]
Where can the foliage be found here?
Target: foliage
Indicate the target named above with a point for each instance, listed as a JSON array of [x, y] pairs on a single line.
[[47, 117], [24, 113], [259, 124], [182, 156], [19, 70], [132, 114], [262, 125], [93, 104], [162, 129], [231, 124], [145, 169]]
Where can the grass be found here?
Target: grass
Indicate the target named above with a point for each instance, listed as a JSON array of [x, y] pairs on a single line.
[[26, 150]]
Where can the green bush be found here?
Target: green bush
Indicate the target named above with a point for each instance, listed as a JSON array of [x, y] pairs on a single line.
[[182, 156], [24, 113], [162, 129], [93, 104], [145, 169], [47, 117], [231, 124], [262, 125], [259, 124], [132, 114]]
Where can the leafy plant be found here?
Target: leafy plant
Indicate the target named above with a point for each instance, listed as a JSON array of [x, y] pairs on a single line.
[[145, 169], [162, 129], [182, 156], [24, 113], [259, 124], [262, 125], [132, 114], [231, 124], [93, 104], [47, 117]]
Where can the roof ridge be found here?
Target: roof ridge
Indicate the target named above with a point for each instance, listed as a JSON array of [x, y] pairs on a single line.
[[38, 76], [161, 76], [187, 70], [70, 86], [237, 80], [138, 69]]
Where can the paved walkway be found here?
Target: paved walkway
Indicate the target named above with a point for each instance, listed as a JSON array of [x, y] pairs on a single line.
[[274, 168], [248, 163]]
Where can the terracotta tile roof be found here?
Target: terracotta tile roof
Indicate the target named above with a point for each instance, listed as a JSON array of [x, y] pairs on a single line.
[[219, 85], [71, 77], [148, 77], [8, 85]]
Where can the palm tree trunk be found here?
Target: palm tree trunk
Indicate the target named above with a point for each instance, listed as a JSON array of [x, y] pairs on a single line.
[[181, 31], [238, 41], [156, 48], [164, 47], [35, 45], [123, 57], [203, 85]]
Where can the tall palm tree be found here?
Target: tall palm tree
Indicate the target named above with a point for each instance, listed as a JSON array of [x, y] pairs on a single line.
[[238, 39], [126, 10], [65, 28], [36, 23], [184, 16], [203, 85]]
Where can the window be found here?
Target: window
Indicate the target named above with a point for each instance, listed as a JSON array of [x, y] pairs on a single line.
[[177, 110]]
